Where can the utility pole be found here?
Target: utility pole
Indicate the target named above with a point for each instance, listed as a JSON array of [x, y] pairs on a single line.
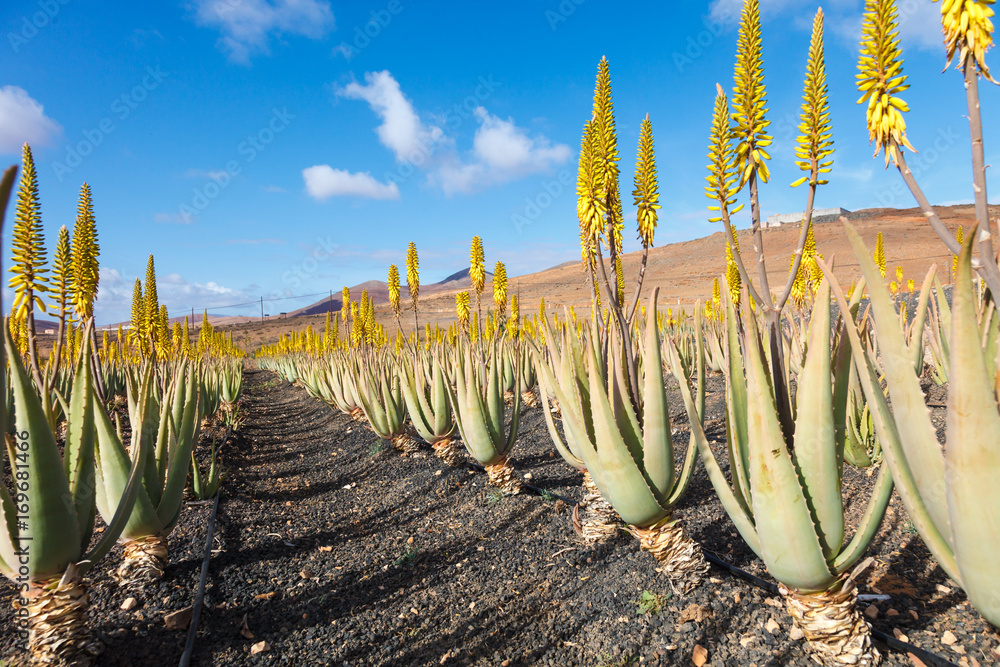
[[262, 309], [331, 301]]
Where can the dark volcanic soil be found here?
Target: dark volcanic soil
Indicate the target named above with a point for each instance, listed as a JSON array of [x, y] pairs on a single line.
[[335, 550]]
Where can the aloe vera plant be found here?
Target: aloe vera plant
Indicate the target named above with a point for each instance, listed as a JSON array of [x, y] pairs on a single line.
[[951, 495], [785, 496], [383, 404], [629, 452], [172, 423], [425, 391], [477, 401], [48, 522]]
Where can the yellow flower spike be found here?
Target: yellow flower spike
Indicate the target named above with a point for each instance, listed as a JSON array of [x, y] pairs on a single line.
[[500, 288], [960, 237], [721, 168], [84, 253], [393, 284], [462, 309], [345, 304], [477, 266], [28, 243], [899, 274], [733, 280], [62, 272], [967, 28], [749, 124], [880, 254], [814, 143], [881, 79], [413, 279], [138, 314], [515, 318], [646, 193], [590, 205]]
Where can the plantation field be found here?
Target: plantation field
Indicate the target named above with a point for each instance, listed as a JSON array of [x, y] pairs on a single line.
[[334, 549]]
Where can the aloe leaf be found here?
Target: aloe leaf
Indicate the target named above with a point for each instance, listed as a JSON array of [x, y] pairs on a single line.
[[741, 516], [892, 449], [561, 447], [471, 414], [168, 509], [657, 444], [973, 451], [815, 453], [913, 421], [444, 421], [790, 547], [691, 456], [78, 454], [50, 519], [411, 390], [113, 468], [736, 410], [624, 485], [494, 400], [868, 526], [920, 317], [131, 493]]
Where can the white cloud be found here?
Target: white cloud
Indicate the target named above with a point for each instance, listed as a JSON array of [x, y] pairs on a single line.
[[323, 182], [23, 120], [501, 152], [247, 25], [401, 130], [114, 297]]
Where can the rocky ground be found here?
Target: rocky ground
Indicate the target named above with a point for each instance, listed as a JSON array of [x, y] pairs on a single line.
[[332, 549]]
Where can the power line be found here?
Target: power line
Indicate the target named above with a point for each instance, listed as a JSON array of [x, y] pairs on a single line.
[[275, 298]]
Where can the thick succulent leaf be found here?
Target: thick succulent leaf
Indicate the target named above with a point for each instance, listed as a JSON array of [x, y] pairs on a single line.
[[868, 526], [472, 418], [973, 451], [736, 410], [691, 455], [815, 453], [622, 482], [920, 317], [133, 488], [78, 454], [892, 449], [113, 476], [494, 400], [918, 438], [50, 517], [740, 515], [657, 445], [168, 509], [415, 402], [789, 545], [544, 377]]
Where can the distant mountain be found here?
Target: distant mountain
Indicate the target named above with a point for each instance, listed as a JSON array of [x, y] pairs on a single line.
[[378, 292]]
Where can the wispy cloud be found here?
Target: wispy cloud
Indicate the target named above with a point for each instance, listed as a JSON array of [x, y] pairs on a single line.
[[248, 25], [401, 130], [178, 294], [323, 181], [274, 188], [501, 152], [23, 120]]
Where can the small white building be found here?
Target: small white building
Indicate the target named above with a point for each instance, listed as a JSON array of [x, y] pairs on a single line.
[[819, 215]]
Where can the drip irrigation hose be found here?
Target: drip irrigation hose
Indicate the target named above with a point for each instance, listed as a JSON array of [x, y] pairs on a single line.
[[926, 656], [199, 597]]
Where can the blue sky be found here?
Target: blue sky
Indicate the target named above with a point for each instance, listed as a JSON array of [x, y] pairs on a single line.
[[280, 148]]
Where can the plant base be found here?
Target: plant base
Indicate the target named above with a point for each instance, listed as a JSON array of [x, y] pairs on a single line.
[[598, 520], [503, 476], [449, 451], [508, 398], [681, 557], [529, 399], [834, 628], [406, 443], [57, 623], [358, 415], [145, 560]]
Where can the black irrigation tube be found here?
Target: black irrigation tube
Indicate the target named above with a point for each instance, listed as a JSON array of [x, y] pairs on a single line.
[[926, 656], [199, 597]]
